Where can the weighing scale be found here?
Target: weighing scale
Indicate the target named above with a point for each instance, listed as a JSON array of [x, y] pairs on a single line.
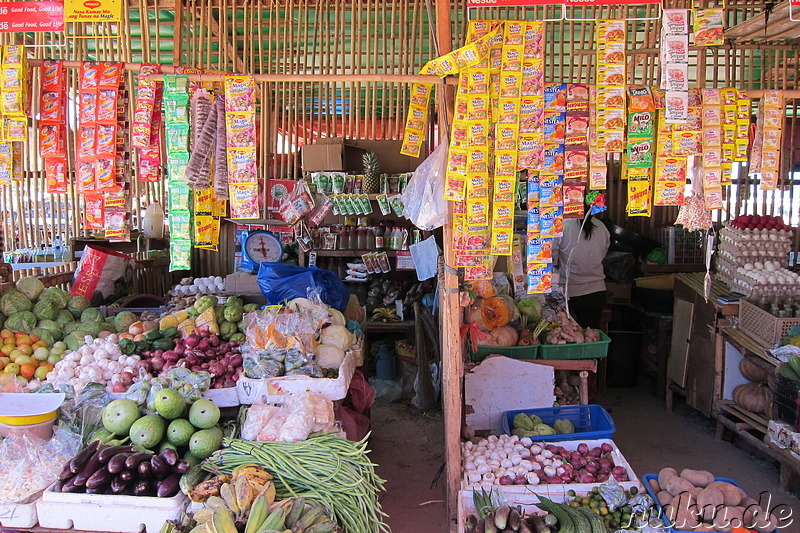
[[260, 247]]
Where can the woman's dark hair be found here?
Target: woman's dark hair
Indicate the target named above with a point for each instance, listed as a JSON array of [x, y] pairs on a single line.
[[588, 227]]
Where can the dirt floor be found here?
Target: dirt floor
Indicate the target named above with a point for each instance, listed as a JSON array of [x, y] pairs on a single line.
[[408, 447]]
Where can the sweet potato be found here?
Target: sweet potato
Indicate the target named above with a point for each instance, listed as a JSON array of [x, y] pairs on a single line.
[[728, 518], [698, 478], [732, 495], [756, 518], [695, 491], [664, 475], [710, 497], [686, 519], [655, 486], [677, 485], [664, 498], [747, 502]]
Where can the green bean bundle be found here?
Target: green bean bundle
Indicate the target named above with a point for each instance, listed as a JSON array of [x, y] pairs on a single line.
[[323, 469]]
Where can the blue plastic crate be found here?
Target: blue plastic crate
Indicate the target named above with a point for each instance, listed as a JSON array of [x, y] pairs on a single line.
[[591, 421], [646, 481]]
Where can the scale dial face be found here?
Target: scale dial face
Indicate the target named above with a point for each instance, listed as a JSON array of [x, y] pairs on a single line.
[[263, 247]]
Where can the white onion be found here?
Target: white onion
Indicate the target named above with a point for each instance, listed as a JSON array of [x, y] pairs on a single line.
[[506, 463]]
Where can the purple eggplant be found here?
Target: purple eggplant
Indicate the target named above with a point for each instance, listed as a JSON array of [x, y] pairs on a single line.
[[82, 457], [99, 479], [169, 486], [66, 473], [97, 490], [111, 451], [145, 470], [133, 461], [181, 467], [92, 466], [70, 486], [141, 488], [169, 455], [159, 467], [119, 485], [128, 475], [117, 463]]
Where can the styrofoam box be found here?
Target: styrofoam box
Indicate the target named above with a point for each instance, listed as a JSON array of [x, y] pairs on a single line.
[[552, 491], [228, 397], [18, 514], [100, 512], [254, 390]]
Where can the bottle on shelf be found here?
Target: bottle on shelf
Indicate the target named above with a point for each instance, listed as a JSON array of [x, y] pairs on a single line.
[[344, 239], [361, 239], [353, 239], [403, 239], [370, 238], [379, 237]]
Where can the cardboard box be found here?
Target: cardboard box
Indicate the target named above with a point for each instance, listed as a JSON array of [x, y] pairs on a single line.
[[327, 154]]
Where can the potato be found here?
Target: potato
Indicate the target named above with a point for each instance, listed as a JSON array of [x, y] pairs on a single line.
[[710, 497], [677, 485], [686, 519], [698, 478], [655, 486], [664, 475], [730, 517], [747, 502], [705, 528], [756, 518], [695, 491], [732, 495], [664, 498]]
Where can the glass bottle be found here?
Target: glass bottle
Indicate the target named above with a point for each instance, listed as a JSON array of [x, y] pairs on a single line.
[[370, 238], [353, 239], [379, 237], [361, 238], [344, 239]]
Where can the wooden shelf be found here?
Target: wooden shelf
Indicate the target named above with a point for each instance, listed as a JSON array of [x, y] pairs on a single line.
[[388, 326], [747, 345], [256, 221]]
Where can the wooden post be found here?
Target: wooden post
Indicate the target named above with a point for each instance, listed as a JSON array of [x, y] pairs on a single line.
[[177, 37], [452, 358]]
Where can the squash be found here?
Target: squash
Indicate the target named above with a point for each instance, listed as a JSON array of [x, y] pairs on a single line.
[[502, 336], [497, 311], [482, 288], [752, 372], [753, 397]]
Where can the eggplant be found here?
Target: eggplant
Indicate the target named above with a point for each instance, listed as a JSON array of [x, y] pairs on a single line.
[[117, 463], [70, 486], [111, 451], [118, 484], [170, 456], [181, 467], [67, 472], [82, 457], [169, 486], [159, 467], [97, 490], [141, 488], [145, 470], [99, 479], [92, 466], [133, 461], [127, 475]]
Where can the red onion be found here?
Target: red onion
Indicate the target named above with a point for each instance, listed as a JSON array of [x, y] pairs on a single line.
[[192, 340], [158, 364], [236, 376], [202, 345], [236, 361], [554, 480], [596, 451], [158, 353], [196, 368], [520, 480], [606, 447], [180, 350], [551, 448], [587, 478], [591, 468], [602, 478], [229, 383], [204, 366], [213, 340], [618, 472], [147, 354], [506, 480], [119, 387], [566, 476], [191, 360], [583, 448]]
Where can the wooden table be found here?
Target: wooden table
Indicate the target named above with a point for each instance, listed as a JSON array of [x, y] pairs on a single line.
[[582, 366]]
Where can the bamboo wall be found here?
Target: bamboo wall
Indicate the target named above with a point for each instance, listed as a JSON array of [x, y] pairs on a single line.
[[362, 37]]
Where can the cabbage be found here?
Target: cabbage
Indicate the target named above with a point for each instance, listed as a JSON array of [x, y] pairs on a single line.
[[531, 309], [13, 301], [75, 340], [65, 317], [329, 356], [45, 309], [59, 297], [91, 315], [337, 336], [44, 335], [77, 304], [55, 328], [123, 321], [92, 328], [22, 321], [31, 287], [69, 328]]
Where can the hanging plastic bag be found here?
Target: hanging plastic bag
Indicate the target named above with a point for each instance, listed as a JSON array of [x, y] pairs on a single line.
[[280, 282], [424, 201]]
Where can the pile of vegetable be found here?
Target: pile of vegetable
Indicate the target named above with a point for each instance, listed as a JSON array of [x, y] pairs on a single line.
[[564, 330], [614, 514], [331, 471], [244, 502], [510, 460], [103, 469], [223, 320], [755, 396], [695, 500], [504, 518], [790, 369], [96, 361], [567, 388], [532, 426]]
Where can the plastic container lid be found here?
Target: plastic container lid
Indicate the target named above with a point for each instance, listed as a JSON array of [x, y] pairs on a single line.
[[27, 420], [19, 409]]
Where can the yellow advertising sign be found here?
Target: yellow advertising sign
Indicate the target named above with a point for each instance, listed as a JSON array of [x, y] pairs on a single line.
[[92, 10]]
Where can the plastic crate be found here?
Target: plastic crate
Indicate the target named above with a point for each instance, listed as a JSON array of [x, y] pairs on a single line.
[[762, 325], [515, 352], [784, 403], [646, 482], [682, 246], [581, 350], [590, 421]]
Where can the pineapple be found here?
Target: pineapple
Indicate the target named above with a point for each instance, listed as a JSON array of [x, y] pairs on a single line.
[[371, 179]]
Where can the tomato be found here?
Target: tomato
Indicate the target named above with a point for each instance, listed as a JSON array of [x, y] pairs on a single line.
[[27, 370]]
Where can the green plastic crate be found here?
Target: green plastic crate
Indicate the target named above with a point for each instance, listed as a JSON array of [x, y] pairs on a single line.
[[515, 352], [582, 350]]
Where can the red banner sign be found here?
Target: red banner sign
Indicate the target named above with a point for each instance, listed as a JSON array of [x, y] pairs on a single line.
[[31, 16], [494, 3]]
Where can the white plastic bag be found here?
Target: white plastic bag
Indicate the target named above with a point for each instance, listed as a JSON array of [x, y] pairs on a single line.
[[423, 198]]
